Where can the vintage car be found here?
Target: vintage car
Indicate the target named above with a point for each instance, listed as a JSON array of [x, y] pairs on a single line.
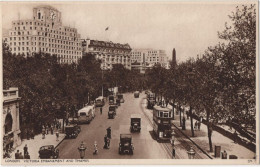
[[135, 123], [111, 111], [136, 94], [72, 131], [48, 152], [126, 145], [121, 97]]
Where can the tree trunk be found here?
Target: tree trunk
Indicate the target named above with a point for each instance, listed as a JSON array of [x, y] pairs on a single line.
[[173, 108], [191, 122], [209, 132]]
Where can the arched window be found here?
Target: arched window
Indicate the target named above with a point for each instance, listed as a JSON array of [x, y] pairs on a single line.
[[8, 123]]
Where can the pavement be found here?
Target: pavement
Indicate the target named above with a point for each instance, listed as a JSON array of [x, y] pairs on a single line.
[[201, 139], [35, 144]]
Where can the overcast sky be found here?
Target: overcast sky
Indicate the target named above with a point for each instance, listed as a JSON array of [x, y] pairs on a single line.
[[188, 27]]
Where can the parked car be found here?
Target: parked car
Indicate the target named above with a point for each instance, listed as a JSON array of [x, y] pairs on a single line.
[[48, 152], [126, 145]]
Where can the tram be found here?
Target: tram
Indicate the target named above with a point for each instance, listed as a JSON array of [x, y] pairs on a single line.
[[162, 122]]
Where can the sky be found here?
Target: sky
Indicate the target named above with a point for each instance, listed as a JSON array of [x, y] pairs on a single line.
[[190, 28]]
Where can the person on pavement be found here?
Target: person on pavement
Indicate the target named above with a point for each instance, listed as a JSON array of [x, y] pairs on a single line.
[[100, 110], [173, 152], [109, 132], [95, 148], [235, 137], [25, 149], [57, 136], [199, 123], [17, 154], [105, 141], [196, 125], [43, 133]]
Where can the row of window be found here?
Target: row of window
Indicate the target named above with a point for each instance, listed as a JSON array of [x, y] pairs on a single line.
[[50, 40], [41, 24], [46, 35], [45, 45], [42, 29], [45, 49], [109, 50]]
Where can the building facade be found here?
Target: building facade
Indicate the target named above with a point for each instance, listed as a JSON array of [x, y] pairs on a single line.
[[11, 124], [142, 59], [45, 33], [109, 53]]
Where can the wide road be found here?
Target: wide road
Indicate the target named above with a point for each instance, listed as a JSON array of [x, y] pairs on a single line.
[[145, 147]]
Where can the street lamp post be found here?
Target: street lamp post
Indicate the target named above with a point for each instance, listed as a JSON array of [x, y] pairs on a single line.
[[82, 150], [191, 153]]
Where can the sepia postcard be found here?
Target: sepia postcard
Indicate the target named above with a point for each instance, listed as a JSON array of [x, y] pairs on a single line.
[[129, 82]]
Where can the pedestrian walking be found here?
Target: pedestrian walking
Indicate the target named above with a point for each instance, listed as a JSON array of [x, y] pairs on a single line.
[[43, 133], [25, 149], [199, 123], [57, 136], [17, 154], [196, 125], [109, 132], [51, 129], [100, 110], [235, 137], [47, 129], [105, 141], [173, 152], [95, 148]]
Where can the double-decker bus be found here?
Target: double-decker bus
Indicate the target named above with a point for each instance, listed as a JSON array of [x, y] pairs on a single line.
[[162, 122]]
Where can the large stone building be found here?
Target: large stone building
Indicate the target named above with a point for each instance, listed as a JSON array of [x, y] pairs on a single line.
[[45, 33], [11, 124], [141, 59], [110, 53]]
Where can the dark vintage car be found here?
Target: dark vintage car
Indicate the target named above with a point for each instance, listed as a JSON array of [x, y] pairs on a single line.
[[136, 94], [135, 124], [111, 111], [72, 131], [48, 152], [126, 145]]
